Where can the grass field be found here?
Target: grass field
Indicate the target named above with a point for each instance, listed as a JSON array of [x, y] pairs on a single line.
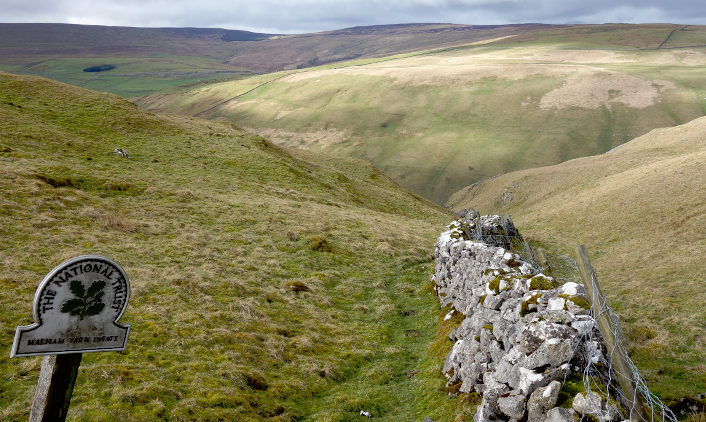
[[132, 76], [439, 121], [641, 213], [266, 284], [690, 35]]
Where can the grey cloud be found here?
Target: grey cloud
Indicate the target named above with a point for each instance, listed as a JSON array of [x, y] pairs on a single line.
[[296, 16]]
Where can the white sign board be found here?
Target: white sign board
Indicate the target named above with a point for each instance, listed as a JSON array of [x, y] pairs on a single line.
[[76, 310]]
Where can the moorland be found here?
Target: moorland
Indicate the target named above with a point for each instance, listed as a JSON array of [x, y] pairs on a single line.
[[277, 274]]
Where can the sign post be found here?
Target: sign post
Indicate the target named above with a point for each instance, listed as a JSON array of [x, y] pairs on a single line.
[[76, 310]]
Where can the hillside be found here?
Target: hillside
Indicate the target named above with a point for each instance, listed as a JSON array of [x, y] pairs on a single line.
[[640, 210], [623, 36], [266, 284], [151, 59], [441, 120]]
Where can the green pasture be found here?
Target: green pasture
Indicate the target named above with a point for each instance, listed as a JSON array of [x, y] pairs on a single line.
[[70, 71]]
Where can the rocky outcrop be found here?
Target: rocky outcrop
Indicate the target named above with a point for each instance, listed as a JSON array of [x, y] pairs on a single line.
[[523, 333]]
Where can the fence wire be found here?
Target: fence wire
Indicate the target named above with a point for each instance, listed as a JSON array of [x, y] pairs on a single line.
[[599, 376], [497, 231], [605, 383]]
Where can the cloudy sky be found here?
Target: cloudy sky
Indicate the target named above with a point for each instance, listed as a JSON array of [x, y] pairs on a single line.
[[299, 16]]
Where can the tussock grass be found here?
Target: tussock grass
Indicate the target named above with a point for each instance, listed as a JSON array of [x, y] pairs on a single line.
[[212, 225], [696, 417], [640, 212]]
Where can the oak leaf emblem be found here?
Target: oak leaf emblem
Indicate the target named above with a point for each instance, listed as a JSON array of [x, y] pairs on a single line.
[[87, 302]]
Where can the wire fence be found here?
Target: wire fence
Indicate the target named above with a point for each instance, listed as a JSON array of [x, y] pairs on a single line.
[[604, 380]]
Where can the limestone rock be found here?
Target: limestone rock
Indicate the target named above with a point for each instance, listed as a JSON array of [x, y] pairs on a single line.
[[614, 413], [484, 414], [503, 369], [572, 289], [538, 331], [524, 380], [556, 304], [491, 394], [590, 404], [556, 317], [512, 406], [493, 302], [560, 414], [471, 374], [554, 352], [541, 400], [583, 326]]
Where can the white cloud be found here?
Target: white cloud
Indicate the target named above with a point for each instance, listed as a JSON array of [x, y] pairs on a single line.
[[291, 16]]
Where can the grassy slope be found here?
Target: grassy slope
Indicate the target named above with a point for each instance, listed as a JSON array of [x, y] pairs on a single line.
[[690, 35], [213, 225], [61, 52], [606, 36], [641, 212], [644, 36], [438, 122]]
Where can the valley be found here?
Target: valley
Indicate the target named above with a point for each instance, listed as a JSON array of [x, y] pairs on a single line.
[[441, 120]]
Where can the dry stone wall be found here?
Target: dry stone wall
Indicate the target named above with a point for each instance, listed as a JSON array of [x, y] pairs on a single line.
[[523, 333]]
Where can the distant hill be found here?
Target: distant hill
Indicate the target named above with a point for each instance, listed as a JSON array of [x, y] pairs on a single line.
[[151, 59], [32, 43], [266, 285], [641, 213], [613, 35], [235, 35]]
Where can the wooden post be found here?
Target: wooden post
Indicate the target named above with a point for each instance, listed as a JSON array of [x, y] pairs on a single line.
[[54, 388], [508, 241], [605, 324], [530, 251], [543, 262], [479, 225]]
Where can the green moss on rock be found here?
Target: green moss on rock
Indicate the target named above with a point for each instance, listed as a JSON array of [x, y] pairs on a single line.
[[540, 282], [494, 285], [524, 310], [579, 301]]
